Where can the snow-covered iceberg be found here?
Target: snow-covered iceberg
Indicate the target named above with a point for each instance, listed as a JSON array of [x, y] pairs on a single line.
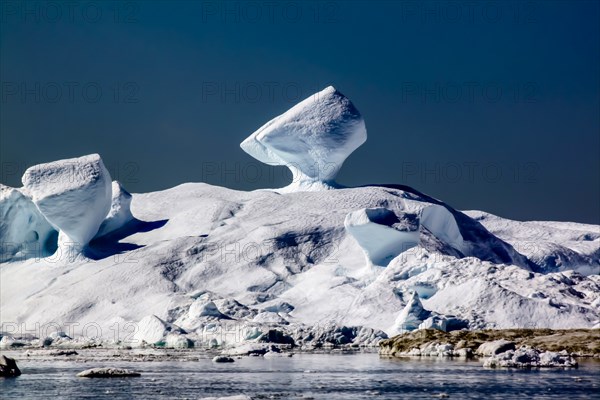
[[287, 260], [74, 195], [197, 258], [312, 139]]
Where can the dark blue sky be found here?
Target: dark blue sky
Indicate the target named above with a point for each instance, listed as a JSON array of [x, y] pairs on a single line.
[[491, 106]]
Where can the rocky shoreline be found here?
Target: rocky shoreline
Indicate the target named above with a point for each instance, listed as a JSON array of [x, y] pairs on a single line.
[[497, 348], [510, 348]]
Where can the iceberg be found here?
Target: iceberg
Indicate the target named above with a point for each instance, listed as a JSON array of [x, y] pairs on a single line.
[[312, 139], [74, 195], [200, 258]]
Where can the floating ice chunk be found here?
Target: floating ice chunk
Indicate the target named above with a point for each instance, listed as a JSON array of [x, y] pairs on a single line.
[[24, 232], [74, 195], [223, 359], [275, 354], [312, 139], [383, 234], [107, 373], [120, 210]]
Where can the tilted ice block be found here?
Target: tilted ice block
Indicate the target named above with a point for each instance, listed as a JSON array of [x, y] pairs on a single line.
[[24, 232], [120, 210], [312, 139], [382, 234], [74, 195]]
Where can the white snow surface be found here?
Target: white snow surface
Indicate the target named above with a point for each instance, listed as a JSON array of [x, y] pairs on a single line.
[[312, 139], [552, 246], [120, 210], [74, 196], [199, 255]]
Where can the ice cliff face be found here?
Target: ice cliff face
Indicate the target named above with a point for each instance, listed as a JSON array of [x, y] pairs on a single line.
[[24, 231], [382, 234], [312, 139]]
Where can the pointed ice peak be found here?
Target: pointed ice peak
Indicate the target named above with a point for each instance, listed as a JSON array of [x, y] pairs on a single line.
[[312, 139], [414, 304], [411, 316]]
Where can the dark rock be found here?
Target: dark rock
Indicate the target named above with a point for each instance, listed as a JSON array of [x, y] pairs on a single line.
[[8, 367], [223, 359], [275, 336], [63, 353]]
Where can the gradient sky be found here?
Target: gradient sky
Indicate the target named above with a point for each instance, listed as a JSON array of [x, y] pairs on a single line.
[[491, 106]]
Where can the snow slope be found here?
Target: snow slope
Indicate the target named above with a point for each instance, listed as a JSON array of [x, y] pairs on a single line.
[[286, 260], [551, 246]]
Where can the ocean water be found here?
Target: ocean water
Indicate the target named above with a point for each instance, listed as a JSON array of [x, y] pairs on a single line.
[[304, 376]]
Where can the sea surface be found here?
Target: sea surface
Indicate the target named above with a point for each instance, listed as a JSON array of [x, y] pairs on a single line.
[[303, 376]]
